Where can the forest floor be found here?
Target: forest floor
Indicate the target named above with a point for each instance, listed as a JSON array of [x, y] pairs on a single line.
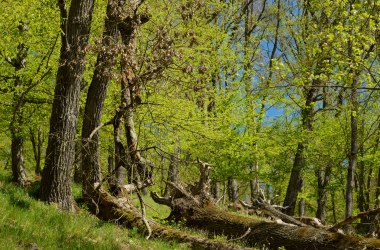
[[26, 223]]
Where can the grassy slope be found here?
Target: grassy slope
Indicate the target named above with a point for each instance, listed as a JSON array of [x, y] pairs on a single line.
[[26, 223]]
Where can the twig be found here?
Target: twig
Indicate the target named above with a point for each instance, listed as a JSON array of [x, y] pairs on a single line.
[[143, 214], [99, 127], [243, 236]]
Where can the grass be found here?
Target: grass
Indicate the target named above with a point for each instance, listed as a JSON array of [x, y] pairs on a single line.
[[26, 223]]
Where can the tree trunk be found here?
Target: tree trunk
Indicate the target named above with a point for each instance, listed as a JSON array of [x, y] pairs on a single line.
[[323, 181], [333, 207], [18, 168], [111, 168], [78, 173], [131, 91], [57, 174], [233, 195], [36, 138], [15, 127], [17, 144], [215, 190], [122, 160], [295, 181], [301, 208], [353, 159], [173, 172], [96, 96]]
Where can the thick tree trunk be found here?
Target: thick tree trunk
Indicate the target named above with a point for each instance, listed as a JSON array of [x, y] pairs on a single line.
[[96, 96], [57, 174]]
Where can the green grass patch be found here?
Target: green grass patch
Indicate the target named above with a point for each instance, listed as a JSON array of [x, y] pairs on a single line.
[[26, 223]]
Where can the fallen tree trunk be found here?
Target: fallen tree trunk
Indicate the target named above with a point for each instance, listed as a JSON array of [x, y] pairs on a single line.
[[194, 206], [120, 210]]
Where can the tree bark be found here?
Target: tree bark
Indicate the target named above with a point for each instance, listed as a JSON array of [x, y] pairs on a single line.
[[120, 210], [173, 171], [296, 181], [57, 174], [323, 181], [96, 96], [233, 195], [37, 140], [215, 190], [18, 168], [131, 90], [353, 159], [15, 127]]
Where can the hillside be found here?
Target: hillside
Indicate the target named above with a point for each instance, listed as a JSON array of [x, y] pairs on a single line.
[[26, 223]]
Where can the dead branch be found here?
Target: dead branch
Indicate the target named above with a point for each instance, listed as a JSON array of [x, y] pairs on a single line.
[[263, 205], [143, 215], [160, 200], [351, 219]]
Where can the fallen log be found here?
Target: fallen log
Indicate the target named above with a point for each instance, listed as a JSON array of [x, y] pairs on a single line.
[[196, 208], [120, 210]]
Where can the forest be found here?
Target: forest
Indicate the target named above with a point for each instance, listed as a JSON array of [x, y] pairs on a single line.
[[256, 122]]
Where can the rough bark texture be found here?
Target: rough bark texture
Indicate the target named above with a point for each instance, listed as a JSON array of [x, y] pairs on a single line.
[[196, 208], [97, 94], [18, 168], [56, 176]]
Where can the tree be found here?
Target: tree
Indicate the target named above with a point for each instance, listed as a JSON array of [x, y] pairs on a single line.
[[56, 177], [96, 95]]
